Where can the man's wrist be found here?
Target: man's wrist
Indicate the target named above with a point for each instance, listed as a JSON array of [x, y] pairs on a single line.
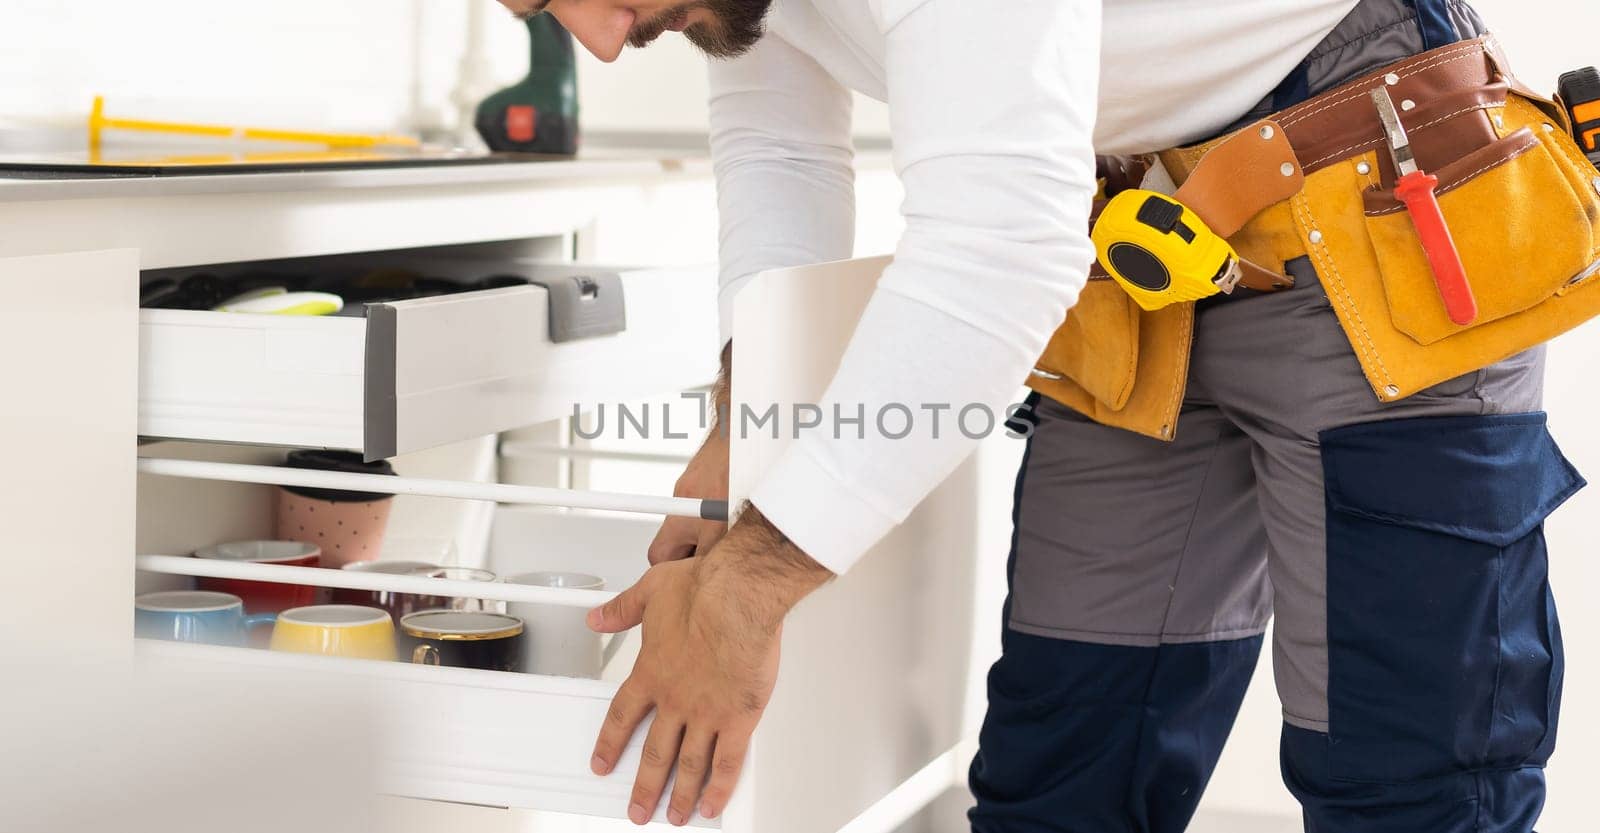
[[722, 390], [763, 568]]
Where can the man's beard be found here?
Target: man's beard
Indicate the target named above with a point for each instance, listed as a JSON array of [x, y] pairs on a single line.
[[737, 26]]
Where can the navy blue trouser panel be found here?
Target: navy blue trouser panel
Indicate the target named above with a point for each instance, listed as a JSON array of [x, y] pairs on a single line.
[[1433, 17], [1485, 801], [1085, 738], [1445, 668]]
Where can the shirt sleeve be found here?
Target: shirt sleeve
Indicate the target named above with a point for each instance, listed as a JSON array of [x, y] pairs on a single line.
[[780, 141], [992, 116]]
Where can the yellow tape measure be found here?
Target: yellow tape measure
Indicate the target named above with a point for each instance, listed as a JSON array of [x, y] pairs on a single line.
[[1161, 252]]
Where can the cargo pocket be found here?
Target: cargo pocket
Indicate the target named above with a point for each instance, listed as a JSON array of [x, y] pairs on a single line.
[[1444, 651], [1524, 234]]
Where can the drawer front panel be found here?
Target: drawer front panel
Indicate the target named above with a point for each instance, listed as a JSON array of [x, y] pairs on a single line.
[[420, 373], [448, 734]]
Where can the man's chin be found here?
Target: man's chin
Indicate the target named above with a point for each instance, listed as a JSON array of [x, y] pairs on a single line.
[[715, 43]]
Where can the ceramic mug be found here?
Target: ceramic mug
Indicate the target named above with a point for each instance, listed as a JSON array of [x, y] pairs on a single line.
[[457, 603], [462, 639], [265, 596], [195, 616], [397, 604], [349, 631], [558, 640], [401, 605]]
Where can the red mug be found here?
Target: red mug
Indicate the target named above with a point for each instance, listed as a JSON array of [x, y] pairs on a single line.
[[265, 596]]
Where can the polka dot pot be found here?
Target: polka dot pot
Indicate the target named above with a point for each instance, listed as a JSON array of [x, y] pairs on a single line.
[[346, 531]]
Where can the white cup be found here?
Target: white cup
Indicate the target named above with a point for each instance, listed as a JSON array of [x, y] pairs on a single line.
[[556, 639]]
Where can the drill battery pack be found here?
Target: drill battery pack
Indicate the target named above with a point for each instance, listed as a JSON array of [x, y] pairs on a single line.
[[1580, 95]]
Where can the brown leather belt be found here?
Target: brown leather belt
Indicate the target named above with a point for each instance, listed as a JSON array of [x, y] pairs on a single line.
[[1230, 180]]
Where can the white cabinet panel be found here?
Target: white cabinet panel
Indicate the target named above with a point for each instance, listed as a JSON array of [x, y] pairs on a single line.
[[66, 488], [873, 685]]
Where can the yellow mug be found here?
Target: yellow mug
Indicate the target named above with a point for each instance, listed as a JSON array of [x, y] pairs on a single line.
[[349, 631]]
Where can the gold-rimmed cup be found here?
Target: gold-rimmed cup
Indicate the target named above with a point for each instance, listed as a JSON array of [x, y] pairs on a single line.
[[462, 639]]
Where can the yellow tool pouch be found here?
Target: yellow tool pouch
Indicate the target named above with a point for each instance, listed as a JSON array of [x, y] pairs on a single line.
[[1521, 201], [1524, 209]]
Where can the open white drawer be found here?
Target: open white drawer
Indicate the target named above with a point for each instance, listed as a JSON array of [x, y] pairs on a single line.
[[481, 737], [868, 720], [419, 373]]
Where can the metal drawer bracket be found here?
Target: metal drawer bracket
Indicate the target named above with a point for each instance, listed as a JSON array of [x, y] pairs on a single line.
[[584, 306]]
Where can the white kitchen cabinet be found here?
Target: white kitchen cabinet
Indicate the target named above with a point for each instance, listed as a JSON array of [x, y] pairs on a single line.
[[873, 694], [873, 688], [872, 703]]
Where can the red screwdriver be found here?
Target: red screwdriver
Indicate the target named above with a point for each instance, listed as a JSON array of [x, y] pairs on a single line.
[[1415, 189]]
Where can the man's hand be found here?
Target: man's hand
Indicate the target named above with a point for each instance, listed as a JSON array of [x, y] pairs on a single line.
[[706, 477], [707, 666]]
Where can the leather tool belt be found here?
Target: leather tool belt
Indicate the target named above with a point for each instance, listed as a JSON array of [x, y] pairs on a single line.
[[1316, 180]]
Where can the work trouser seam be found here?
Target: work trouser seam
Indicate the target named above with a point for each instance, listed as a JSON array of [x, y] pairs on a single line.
[[1150, 677], [1016, 527], [1475, 772], [1485, 407], [1227, 635], [1140, 747], [1303, 719], [1499, 654], [1477, 798], [1188, 531]]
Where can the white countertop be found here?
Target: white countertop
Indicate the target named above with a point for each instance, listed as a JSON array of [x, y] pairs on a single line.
[[606, 157]]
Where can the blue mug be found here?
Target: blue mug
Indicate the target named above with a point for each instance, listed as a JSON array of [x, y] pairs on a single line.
[[195, 616]]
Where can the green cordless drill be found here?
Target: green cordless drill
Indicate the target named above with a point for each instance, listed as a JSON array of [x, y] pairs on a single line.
[[538, 114]]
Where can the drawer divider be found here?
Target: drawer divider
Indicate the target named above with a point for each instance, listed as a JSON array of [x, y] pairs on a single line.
[[711, 510]]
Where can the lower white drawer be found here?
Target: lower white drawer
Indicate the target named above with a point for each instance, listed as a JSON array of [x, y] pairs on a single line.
[[420, 373], [449, 734], [470, 736]]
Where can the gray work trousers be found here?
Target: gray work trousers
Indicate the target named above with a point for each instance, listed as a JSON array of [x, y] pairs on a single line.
[[1398, 546]]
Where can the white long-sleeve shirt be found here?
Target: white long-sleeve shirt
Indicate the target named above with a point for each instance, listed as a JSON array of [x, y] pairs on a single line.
[[996, 110]]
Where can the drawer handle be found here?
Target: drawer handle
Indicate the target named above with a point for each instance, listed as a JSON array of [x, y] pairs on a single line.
[[584, 306]]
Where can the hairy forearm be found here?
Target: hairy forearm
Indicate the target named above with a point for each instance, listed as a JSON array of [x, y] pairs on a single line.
[[757, 564]]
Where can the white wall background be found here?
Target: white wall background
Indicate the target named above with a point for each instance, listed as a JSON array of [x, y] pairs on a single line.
[[316, 64], [368, 64]]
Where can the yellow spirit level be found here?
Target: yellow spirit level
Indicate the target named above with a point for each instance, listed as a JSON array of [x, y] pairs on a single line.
[[1161, 252]]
